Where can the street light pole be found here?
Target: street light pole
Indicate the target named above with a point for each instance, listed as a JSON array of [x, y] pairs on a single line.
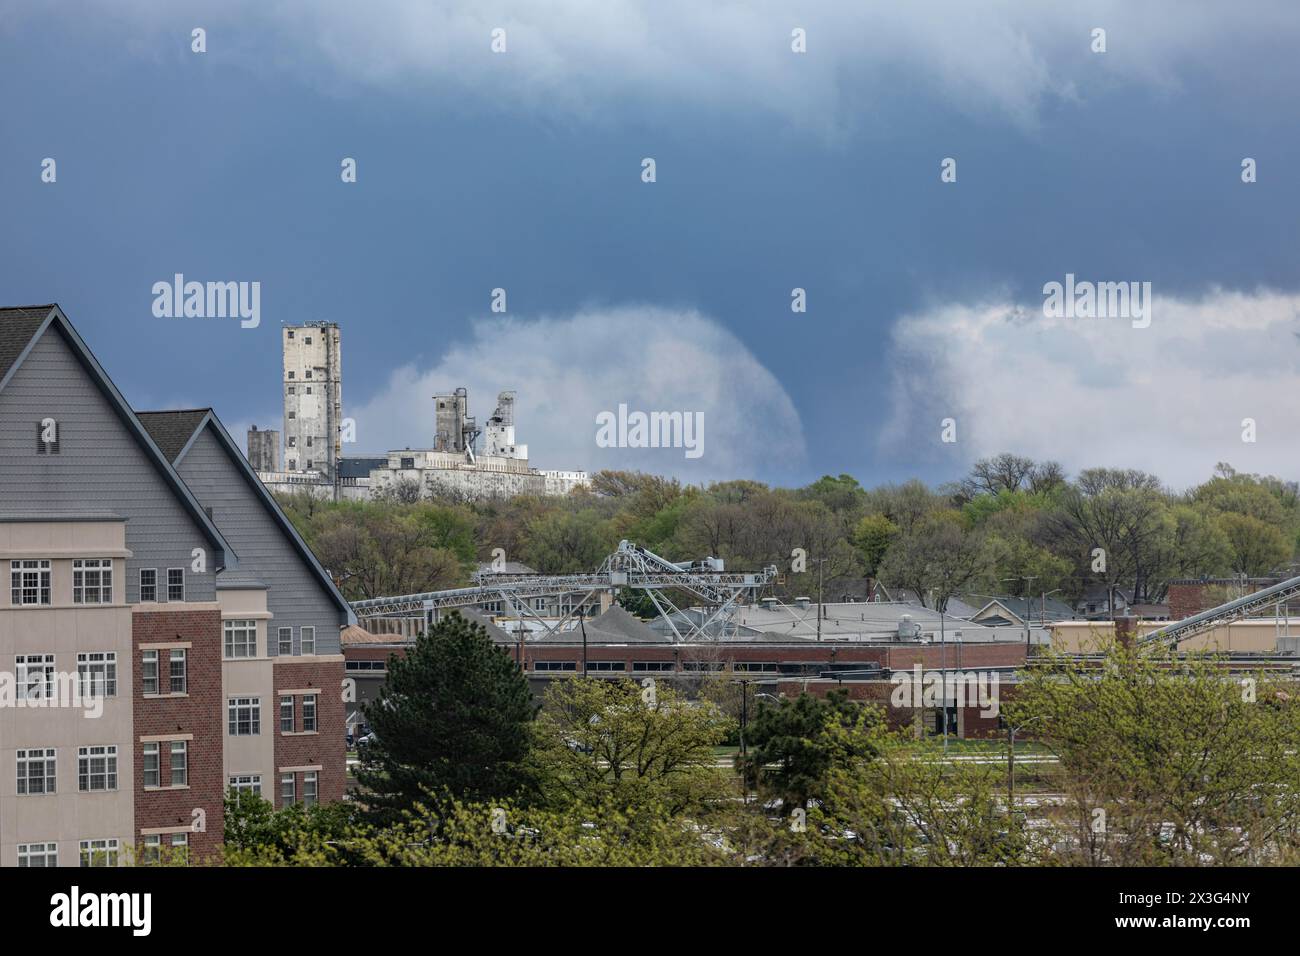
[[1042, 607]]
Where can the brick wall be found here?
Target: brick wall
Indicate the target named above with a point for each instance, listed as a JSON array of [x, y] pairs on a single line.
[[327, 747], [974, 722], [1186, 600], [199, 713]]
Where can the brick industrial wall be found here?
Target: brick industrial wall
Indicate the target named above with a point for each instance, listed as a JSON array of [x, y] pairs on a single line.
[[200, 713], [1186, 600], [328, 746], [975, 721], [966, 656]]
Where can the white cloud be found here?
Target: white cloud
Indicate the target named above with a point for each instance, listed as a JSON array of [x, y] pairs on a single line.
[[576, 57], [566, 370], [1169, 399]]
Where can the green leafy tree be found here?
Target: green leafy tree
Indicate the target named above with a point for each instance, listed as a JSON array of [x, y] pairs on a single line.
[[1256, 548], [256, 833], [616, 743], [891, 801], [872, 537], [453, 720], [1165, 760], [791, 747], [937, 559]]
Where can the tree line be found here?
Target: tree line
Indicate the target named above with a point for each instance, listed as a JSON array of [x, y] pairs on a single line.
[[1012, 525]]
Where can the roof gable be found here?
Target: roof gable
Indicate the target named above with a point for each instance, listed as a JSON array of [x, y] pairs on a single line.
[[21, 327], [177, 430]]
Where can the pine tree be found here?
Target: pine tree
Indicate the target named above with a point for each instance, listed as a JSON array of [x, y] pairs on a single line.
[[453, 720]]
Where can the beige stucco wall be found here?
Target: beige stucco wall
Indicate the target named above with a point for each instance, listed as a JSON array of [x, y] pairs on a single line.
[[64, 630], [1252, 636], [250, 677]]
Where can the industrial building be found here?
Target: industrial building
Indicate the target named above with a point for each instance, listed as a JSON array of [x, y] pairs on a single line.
[[313, 398], [152, 575], [313, 462]]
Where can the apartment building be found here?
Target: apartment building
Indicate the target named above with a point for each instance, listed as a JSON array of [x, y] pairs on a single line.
[[282, 665], [133, 639]]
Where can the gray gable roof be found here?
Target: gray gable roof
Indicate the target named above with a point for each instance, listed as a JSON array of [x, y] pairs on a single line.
[[172, 431], [18, 327], [22, 326], [168, 429], [618, 626]]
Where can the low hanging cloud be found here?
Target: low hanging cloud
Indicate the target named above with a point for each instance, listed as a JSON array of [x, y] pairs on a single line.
[[1171, 398], [580, 58], [568, 370]]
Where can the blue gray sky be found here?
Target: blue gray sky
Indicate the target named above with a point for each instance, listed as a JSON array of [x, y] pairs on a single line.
[[775, 170]]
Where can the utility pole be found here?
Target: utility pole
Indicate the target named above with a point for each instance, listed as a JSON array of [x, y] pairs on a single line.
[[582, 623], [943, 676], [1028, 618], [1025, 593], [820, 562], [744, 721]]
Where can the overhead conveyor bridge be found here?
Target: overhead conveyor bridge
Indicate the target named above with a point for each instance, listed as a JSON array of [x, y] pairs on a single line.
[[1171, 635]]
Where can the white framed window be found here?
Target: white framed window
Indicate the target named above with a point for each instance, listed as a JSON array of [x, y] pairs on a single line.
[[177, 673], [99, 852], [244, 716], [308, 714], [29, 582], [309, 785], [241, 638], [151, 764], [288, 792], [36, 768], [247, 783], [307, 640], [148, 584], [34, 674], [149, 673], [152, 844], [285, 641], [286, 715], [38, 854], [97, 768], [92, 581], [97, 673], [176, 584], [150, 849], [180, 763]]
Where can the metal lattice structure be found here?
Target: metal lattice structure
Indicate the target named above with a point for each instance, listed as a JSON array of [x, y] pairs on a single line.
[[631, 566], [1173, 634]]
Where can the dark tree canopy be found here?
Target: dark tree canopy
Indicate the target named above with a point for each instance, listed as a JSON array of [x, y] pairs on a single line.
[[453, 720]]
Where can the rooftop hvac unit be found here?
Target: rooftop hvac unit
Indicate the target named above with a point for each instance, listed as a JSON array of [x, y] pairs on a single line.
[[802, 603], [908, 630]]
